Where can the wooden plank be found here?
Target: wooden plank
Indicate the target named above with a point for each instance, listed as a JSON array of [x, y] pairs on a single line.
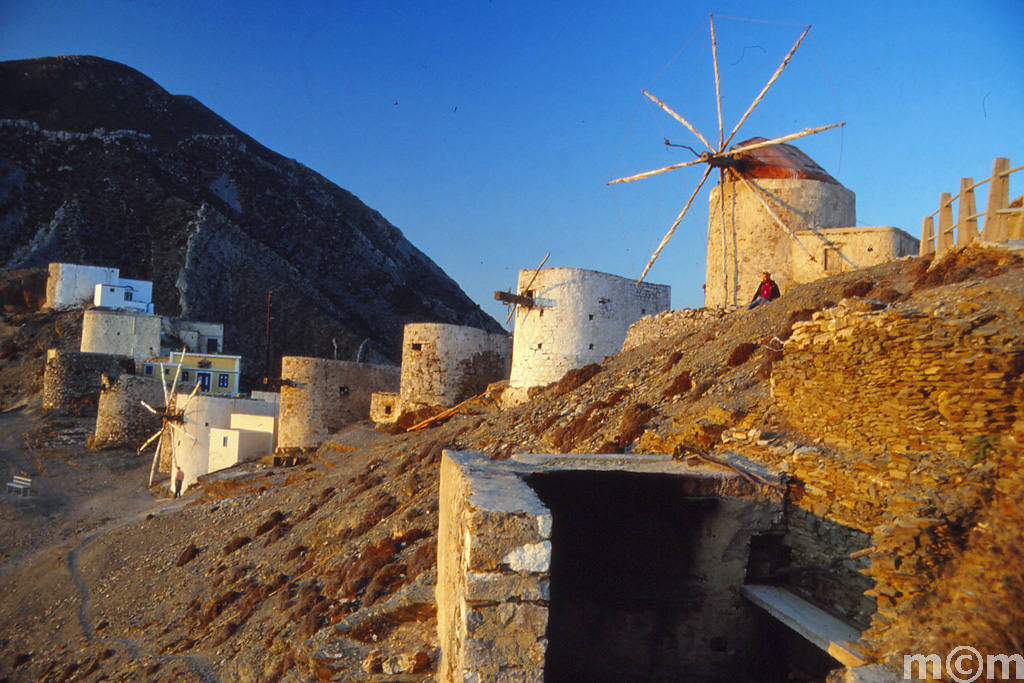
[[945, 236], [995, 229], [829, 633], [966, 225], [515, 299], [927, 236]]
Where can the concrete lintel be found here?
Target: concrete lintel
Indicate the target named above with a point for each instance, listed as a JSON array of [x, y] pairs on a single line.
[[829, 633]]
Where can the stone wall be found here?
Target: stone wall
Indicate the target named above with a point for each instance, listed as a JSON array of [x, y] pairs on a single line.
[[666, 324], [122, 333], [908, 398], [321, 396], [863, 246], [753, 242], [492, 583], [899, 379], [72, 377], [121, 419], [578, 317], [443, 365], [384, 407], [579, 566]]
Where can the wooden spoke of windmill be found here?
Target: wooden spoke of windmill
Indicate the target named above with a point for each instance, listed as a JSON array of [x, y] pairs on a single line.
[[720, 157]]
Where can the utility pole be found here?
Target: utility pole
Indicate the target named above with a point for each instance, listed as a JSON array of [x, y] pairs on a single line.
[[266, 367]]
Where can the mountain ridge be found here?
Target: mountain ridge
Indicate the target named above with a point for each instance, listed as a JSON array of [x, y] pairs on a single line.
[[107, 168]]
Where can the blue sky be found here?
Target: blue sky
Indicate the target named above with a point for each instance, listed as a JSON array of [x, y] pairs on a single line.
[[486, 131]]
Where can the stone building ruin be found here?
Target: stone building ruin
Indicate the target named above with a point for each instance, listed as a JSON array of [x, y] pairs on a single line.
[[320, 396], [780, 212], [71, 377], [601, 568], [121, 419], [443, 365], [569, 317]]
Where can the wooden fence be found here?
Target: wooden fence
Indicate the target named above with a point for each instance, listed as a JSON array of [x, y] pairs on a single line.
[[996, 226]]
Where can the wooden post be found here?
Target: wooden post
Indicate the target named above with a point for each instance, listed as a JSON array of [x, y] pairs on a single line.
[[995, 229], [966, 227], [927, 236], [945, 237]]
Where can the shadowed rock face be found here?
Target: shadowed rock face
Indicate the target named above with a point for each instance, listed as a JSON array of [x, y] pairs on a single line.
[[101, 166]]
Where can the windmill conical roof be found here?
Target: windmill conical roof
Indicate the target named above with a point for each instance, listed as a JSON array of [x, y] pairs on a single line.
[[779, 161]]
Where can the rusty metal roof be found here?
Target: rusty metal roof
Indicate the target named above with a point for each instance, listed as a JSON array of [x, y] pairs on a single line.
[[779, 161]]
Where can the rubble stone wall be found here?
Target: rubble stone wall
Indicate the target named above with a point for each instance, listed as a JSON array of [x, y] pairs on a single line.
[[72, 376], [578, 317], [443, 365], [653, 328], [899, 380], [384, 407], [754, 242], [321, 396], [906, 397], [121, 419]]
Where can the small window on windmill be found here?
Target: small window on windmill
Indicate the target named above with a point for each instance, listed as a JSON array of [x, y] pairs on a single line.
[[591, 347], [343, 391], [590, 317], [416, 346], [833, 263], [387, 410], [541, 313], [225, 441], [529, 294], [643, 311]]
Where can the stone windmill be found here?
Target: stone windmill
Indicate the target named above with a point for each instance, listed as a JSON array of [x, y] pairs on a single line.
[[171, 416], [758, 175]]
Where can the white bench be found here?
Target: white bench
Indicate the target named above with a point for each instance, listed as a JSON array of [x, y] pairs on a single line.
[[20, 485]]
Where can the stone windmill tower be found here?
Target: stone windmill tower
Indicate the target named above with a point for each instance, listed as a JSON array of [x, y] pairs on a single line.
[[771, 209]]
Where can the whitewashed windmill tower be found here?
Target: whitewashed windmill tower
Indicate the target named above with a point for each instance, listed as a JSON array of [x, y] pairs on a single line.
[[771, 200]]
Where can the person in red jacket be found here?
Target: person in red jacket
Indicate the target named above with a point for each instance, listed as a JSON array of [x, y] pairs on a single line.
[[766, 291]]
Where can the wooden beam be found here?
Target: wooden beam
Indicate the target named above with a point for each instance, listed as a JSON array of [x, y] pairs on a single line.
[[829, 633], [513, 299], [995, 229], [966, 226], [927, 236], [945, 236]]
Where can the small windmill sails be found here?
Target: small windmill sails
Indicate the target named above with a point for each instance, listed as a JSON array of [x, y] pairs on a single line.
[[172, 416], [716, 153]]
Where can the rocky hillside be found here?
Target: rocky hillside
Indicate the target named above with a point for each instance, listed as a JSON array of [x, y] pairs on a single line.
[[324, 572], [101, 166]]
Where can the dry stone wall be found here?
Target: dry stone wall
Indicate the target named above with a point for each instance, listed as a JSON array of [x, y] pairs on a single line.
[[667, 324], [321, 396], [907, 401], [71, 377], [900, 379]]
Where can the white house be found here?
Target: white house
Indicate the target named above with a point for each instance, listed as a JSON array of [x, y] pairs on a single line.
[[126, 295]]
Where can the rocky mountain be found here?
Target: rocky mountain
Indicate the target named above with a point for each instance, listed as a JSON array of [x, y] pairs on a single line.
[[102, 166]]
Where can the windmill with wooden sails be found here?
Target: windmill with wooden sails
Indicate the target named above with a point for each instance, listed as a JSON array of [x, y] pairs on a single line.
[[756, 173]]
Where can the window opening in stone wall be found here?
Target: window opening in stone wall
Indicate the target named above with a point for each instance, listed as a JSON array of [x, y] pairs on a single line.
[[387, 410], [540, 313], [590, 317], [343, 391], [225, 442], [643, 311], [529, 294], [591, 347], [540, 345], [416, 346], [833, 262]]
